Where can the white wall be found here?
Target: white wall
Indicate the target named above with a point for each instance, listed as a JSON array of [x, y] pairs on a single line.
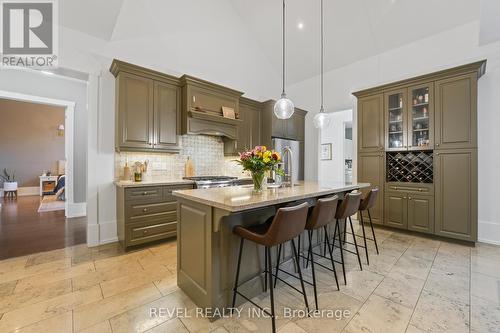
[[333, 170], [448, 49]]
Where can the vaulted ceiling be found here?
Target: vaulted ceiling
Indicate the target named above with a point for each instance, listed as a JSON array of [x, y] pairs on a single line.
[[354, 29]]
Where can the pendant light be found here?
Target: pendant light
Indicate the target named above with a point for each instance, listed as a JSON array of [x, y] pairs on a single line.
[[322, 119], [284, 108]]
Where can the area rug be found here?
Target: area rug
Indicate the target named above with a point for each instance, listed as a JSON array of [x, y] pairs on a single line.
[[50, 203]]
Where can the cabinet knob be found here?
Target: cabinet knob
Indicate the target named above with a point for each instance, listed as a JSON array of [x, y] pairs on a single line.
[[420, 190], [437, 153], [437, 144], [145, 210], [145, 232], [409, 198], [144, 193]]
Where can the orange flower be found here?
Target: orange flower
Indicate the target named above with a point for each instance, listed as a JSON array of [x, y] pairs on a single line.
[[276, 156]]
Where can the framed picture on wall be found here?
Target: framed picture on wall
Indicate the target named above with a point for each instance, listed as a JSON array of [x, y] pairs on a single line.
[[326, 151]]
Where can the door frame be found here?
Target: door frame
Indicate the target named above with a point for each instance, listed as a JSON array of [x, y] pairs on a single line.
[[69, 113]]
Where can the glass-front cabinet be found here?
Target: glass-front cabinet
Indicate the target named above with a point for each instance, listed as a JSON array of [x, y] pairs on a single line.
[[420, 123], [409, 118], [395, 111]]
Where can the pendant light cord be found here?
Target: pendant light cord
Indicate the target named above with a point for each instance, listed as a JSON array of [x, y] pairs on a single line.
[[283, 92], [322, 56]]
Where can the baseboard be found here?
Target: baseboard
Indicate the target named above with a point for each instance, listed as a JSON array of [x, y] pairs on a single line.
[[76, 209], [107, 232], [489, 232], [25, 191]]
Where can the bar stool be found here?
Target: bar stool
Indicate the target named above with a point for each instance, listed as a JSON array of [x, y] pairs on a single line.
[[347, 207], [367, 203], [286, 225]]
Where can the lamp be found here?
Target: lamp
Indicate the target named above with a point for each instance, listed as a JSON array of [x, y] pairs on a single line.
[[321, 120], [60, 130], [284, 108]]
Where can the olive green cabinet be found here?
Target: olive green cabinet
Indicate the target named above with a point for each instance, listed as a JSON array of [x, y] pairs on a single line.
[[371, 170], [421, 213], [396, 210], [135, 111], [249, 131], [148, 106], [371, 123], [146, 214], [456, 193], [272, 127], [456, 112]]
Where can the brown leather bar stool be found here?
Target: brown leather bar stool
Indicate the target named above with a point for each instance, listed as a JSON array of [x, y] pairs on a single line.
[[368, 202], [348, 207], [286, 225]]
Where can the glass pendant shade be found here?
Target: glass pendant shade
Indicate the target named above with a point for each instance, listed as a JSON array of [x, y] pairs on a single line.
[[321, 120], [284, 108]]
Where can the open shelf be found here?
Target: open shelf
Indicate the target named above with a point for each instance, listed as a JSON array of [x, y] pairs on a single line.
[[410, 167]]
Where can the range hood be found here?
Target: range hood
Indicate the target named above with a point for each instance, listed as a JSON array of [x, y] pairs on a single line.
[[202, 108]]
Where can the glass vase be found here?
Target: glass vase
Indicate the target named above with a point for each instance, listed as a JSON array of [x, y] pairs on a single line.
[[258, 179]]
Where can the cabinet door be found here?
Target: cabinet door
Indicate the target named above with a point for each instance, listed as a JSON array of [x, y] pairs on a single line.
[[371, 123], [421, 117], [396, 210], [421, 213], [255, 118], [279, 127], [166, 111], [455, 174], [395, 120], [135, 111], [456, 112], [371, 170]]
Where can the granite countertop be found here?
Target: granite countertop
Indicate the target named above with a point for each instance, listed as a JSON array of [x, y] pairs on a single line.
[[239, 198], [153, 182]]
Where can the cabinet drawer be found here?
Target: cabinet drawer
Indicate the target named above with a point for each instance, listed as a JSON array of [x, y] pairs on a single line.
[[148, 209], [167, 191], [410, 188], [144, 193], [161, 217], [139, 233]]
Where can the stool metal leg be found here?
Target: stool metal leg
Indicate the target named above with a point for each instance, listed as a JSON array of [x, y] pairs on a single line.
[[364, 238], [265, 271], [312, 268], [345, 230], [277, 264], [337, 227], [331, 258], [300, 274], [355, 244], [237, 275], [271, 292], [373, 231]]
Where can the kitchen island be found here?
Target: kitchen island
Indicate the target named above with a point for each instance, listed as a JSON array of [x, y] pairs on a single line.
[[207, 249]]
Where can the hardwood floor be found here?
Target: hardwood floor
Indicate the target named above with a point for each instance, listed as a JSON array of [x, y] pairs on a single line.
[[24, 231]]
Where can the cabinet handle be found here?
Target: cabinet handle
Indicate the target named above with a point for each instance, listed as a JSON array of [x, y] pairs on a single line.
[[194, 99], [404, 198]]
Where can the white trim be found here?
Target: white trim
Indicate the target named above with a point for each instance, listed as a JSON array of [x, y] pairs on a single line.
[[68, 137], [489, 232], [107, 232], [78, 209]]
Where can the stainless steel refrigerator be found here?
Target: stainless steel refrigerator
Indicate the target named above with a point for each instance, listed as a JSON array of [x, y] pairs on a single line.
[[297, 148]]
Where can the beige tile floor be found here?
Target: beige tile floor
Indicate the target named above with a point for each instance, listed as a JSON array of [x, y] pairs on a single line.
[[415, 285]]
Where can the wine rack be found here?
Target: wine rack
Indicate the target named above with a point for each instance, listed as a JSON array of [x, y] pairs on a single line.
[[410, 167]]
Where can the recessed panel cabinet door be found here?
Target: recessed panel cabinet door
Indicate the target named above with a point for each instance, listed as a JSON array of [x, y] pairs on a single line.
[[421, 213], [371, 123], [135, 111], [167, 99], [456, 115], [371, 170], [396, 210], [455, 174]]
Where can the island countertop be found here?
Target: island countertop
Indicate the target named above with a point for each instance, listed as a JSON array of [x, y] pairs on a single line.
[[240, 198]]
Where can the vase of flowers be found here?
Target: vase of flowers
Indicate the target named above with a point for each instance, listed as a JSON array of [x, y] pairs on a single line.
[[259, 161]]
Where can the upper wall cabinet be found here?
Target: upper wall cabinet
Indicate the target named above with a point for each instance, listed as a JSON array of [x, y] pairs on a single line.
[[249, 131], [272, 127], [148, 106], [370, 123], [202, 108], [456, 115]]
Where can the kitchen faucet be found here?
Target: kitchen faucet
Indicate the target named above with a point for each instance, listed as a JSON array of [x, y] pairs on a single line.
[[288, 151]]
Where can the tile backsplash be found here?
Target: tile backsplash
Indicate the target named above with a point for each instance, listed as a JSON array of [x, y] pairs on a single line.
[[207, 153]]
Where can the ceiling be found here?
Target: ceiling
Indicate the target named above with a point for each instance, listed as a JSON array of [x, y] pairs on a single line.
[[354, 29]]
